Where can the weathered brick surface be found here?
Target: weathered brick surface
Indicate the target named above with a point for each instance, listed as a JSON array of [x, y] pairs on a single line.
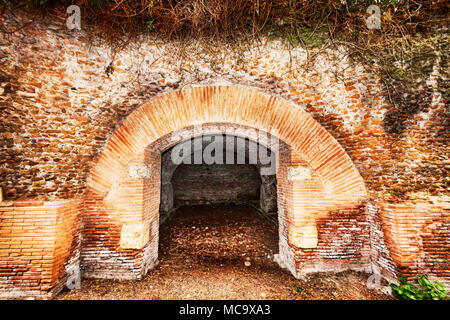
[[217, 184], [132, 200], [38, 243], [70, 131], [58, 108], [344, 243]]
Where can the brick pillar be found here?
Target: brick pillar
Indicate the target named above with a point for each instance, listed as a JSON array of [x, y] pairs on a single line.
[[305, 189], [39, 247]]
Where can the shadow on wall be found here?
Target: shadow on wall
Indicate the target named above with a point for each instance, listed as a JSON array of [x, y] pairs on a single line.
[[407, 100], [215, 184], [11, 128]]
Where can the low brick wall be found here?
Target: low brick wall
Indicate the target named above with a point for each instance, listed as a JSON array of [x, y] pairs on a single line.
[[39, 244], [412, 239], [217, 184], [343, 242]]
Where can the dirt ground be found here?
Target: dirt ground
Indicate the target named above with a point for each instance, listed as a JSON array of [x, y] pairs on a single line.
[[224, 253]]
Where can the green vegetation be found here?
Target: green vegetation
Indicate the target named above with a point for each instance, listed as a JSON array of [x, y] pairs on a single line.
[[299, 289], [426, 290]]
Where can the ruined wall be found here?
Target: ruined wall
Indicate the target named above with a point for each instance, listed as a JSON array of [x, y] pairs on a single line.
[[62, 97], [216, 184], [417, 236], [120, 231], [59, 106], [344, 243]]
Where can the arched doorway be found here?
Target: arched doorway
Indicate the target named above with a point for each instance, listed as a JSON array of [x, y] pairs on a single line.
[[216, 228], [314, 177], [219, 169]]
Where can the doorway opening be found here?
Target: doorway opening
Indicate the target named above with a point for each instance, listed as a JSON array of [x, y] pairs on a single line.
[[216, 186], [219, 170]]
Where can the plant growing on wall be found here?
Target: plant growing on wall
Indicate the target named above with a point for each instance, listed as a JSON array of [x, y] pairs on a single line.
[[426, 290]]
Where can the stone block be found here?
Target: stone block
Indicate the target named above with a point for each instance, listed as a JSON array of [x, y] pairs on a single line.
[[134, 235], [299, 173]]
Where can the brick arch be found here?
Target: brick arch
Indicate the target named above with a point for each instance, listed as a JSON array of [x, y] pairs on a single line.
[[316, 181], [235, 105]]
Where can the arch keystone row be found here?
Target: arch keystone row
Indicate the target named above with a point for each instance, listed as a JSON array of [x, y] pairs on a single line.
[[233, 105]]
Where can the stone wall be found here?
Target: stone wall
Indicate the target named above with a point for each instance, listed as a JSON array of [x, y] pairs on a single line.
[[362, 185], [59, 106], [215, 184]]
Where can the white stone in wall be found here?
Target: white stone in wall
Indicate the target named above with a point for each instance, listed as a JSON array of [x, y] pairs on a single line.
[[299, 173], [305, 236], [140, 171], [73, 276], [134, 235]]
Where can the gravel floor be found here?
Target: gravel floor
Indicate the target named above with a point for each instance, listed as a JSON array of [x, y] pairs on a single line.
[[224, 253]]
